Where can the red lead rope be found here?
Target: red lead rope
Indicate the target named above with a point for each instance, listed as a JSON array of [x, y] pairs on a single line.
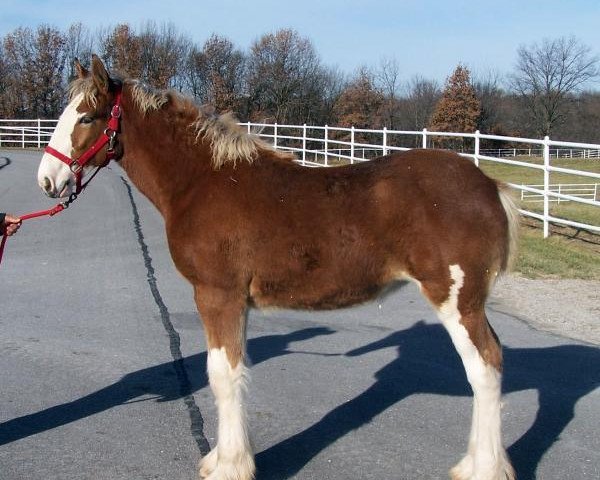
[[51, 211]]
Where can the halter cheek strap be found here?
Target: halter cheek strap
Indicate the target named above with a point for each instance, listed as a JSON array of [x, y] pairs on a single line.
[[107, 137]]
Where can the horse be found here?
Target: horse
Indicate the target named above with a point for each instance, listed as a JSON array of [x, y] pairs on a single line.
[[249, 227]]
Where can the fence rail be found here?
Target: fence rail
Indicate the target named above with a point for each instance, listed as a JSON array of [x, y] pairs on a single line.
[[580, 190], [322, 146], [26, 133]]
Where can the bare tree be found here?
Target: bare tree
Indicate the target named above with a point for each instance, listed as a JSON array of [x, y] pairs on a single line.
[[360, 103], [122, 51], [36, 62], [419, 103], [285, 77], [333, 82], [583, 121], [79, 43], [163, 51], [546, 76], [216, 74], [387, 78], [155, 55], [491, 97]]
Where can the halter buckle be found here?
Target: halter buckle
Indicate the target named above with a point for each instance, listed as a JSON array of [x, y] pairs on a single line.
[[75, 167]]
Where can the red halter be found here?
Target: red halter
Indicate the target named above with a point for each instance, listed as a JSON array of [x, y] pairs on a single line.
[[108, 136], [76, 165]]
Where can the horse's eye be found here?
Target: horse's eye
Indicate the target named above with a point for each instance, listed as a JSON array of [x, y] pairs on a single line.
[[86, 120]]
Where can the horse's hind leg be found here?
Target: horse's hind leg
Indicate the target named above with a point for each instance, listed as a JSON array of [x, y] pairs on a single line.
[[224, 318], [462, 313]]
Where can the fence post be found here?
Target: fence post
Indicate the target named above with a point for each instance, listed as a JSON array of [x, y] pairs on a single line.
[[384, 141], [326, 145], [352, 144], [477, 147], [23, 137], [304, 144], [546, 185], [39, 132], [275, 135], [424, 138], [249, 126]]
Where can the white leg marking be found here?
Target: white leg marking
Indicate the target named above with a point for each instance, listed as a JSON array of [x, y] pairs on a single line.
[[232, 458], [486, 458]]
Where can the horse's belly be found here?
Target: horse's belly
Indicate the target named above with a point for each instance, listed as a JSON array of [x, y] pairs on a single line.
[[316, 292]]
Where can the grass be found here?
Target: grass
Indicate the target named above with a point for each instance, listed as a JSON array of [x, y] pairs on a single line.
[[558, 256]]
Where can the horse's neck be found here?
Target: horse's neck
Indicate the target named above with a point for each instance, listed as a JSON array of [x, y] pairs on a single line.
[[161, 158]]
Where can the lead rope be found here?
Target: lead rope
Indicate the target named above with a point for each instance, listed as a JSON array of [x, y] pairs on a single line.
[[49, 212]]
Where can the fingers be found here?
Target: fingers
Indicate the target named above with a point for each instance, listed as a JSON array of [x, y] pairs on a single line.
[[11, 224], [10, 219]]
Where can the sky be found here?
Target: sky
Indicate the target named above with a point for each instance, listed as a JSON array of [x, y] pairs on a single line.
[[426, 37]]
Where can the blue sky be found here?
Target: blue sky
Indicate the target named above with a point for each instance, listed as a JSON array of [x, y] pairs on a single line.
[[426, 37]]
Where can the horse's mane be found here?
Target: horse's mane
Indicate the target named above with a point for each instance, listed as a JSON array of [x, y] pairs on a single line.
[[230, 143]]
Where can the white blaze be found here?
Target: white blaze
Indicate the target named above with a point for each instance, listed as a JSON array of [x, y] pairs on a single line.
[[51, 167]]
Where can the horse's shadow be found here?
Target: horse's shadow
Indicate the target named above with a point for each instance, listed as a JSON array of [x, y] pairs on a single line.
[[161, 383], [561, 375], [428, 363]]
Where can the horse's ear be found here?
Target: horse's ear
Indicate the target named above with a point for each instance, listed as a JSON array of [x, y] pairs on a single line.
[[100, 75], [80, 70]]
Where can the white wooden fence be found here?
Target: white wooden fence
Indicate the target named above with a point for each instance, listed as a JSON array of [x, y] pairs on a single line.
[[321, 146], [26, 133]]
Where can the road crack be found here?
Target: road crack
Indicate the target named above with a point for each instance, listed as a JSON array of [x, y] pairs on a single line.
[[185, 387]]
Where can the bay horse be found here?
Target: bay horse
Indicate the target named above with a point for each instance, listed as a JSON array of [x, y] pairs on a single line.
[[249, 227]]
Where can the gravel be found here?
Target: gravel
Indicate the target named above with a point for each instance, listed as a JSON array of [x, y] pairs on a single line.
[[570, 308]]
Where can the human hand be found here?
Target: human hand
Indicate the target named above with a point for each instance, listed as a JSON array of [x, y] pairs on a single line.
[[11, 224]]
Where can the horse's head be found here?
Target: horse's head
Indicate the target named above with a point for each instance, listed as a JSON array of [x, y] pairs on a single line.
[[85, 133]]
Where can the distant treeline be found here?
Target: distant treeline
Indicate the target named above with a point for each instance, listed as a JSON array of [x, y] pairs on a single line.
[[281, 78]]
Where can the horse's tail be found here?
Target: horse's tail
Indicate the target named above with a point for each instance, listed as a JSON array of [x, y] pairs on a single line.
[[512, 219]]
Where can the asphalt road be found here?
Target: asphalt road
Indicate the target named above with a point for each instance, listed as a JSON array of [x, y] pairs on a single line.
[[102, 362]]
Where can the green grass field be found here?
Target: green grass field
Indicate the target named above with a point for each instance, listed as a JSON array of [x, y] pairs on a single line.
[[559, 256]]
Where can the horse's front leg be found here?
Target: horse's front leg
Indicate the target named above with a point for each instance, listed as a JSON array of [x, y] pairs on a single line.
[[224, 317]]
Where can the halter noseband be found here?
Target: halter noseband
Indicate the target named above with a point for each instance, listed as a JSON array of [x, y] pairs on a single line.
[[108, 136]]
